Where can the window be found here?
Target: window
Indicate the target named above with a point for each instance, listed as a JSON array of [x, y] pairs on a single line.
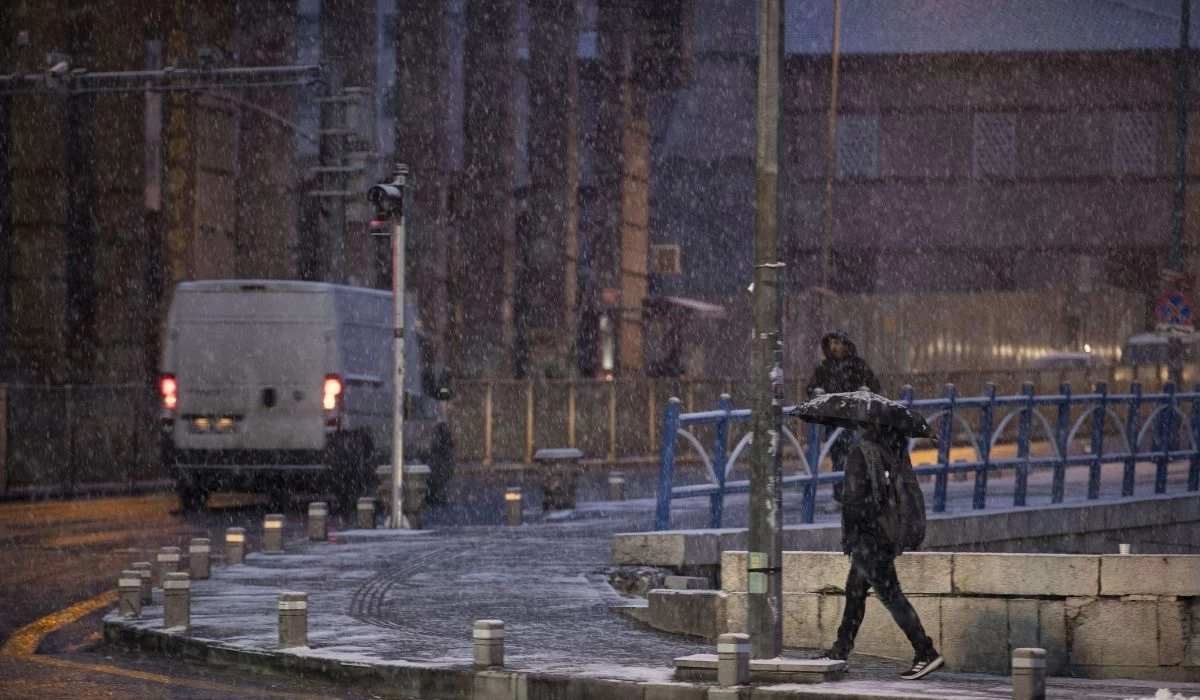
[[1135, 144], [858, 146], [994, 153]]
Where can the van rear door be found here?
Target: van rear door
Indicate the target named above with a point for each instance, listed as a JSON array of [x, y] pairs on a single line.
[[250, 368]]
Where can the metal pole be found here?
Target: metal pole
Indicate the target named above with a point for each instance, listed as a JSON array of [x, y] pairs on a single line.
[[764, 621], [830, 167], [398, 234], [1175, 261]]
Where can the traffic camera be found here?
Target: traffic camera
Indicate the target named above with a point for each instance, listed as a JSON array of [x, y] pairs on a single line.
[[388, 200]]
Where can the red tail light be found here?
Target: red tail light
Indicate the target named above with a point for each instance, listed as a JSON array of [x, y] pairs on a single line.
[[169, 390], [332, 390]]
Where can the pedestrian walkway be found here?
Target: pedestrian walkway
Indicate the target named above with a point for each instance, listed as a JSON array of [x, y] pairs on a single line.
[[399, 598]]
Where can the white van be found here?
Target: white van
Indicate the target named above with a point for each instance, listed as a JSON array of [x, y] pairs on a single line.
[[275, 386]]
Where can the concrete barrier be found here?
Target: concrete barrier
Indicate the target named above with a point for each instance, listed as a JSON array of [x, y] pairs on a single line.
[[733, 659]]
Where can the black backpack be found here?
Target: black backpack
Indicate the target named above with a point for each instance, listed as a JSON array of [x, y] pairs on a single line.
[[896, 491]]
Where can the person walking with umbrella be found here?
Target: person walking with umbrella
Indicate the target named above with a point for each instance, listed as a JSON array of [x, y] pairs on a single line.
[[841, 370], [883, 514]]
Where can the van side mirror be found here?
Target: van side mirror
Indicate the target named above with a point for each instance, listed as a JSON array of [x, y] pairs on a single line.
[[445, 385]]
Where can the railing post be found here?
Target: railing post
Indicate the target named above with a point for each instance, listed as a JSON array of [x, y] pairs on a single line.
[[666, 464], [1024, 433], [528, 422], [808, 499], [1164, 428], [985, 447], [720, 445], [1193, 483], [1132, 426], [1061, 428], [944, 434], [1099, 413], [487, 424], [612, 421]]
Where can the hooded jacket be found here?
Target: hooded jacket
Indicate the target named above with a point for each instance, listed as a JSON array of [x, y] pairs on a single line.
[[846, 373]]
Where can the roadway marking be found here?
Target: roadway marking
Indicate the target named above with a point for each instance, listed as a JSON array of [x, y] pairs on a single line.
[[25, 641]]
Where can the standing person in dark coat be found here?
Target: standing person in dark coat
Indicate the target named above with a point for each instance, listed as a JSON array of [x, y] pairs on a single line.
[[841, 370], [873, 552]]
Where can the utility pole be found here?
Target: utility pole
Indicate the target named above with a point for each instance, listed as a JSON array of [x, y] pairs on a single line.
[[824, 292], [764, 577], [1175, 259]]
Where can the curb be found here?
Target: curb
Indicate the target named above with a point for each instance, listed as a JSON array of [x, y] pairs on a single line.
[[58, 493], [447, 682]]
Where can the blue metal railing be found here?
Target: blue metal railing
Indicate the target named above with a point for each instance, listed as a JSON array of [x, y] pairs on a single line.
[[1165, 419]]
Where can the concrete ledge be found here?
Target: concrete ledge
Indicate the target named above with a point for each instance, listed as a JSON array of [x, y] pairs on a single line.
[[704, 667], [1058, 575], [1149, 574], [1090, 527]]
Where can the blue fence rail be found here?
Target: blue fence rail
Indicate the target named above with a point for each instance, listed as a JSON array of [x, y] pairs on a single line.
[[1173, 429]]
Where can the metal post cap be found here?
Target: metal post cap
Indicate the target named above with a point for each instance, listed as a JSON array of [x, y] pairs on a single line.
[[488, 625], [176, 581], [318, 508]]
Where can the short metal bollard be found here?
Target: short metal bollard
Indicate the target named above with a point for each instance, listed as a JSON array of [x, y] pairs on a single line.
[[513, 499], [293, 620], [1029, 674], [318, 522], [168, 562], [273, 534], [145, 571], [177, 600], [489, 643], [1125, 548], [198, 562], [130, 586], [235, 546], [616, 486], [733, 659], [365, 514]]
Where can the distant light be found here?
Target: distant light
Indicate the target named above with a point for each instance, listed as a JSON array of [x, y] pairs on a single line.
[[1087, 347]]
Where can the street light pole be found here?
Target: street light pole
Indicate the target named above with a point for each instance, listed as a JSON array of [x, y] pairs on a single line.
[[764, 577], [1175, 259], [391, 206]]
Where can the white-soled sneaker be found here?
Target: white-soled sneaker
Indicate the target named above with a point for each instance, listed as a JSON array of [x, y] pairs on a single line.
[[830, 657], [923, 667]]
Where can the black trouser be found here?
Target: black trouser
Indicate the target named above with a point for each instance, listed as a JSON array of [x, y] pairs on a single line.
[[838, 451], [877, 569]]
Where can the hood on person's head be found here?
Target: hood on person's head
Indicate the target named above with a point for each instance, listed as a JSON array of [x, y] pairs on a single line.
[[851, 350]]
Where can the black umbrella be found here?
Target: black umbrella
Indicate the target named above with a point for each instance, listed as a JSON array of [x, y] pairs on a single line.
[[853, 409]]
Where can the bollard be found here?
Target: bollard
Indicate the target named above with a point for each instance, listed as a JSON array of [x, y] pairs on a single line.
[[273, 534], [318, 522], [198, 564], [130, 586], [416, 478], [146, 572], [177, 605], [168, 562], [1029, 674], [293, 620], [558, 471], [365, 514], [235, 546], [489, 643], [1124, 548], [616, 486], [733, 659], [513, 516]]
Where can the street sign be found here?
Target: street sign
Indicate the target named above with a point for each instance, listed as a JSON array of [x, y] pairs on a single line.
[[1175, 312]]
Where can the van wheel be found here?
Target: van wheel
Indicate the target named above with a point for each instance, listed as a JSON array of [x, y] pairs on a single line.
[[192, 496], [352, 473], [441, 468]]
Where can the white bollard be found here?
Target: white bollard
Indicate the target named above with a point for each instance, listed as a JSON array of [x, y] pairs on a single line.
[[177, 604], [198, 563], [146, 572], [365, 514], [130, 587], [1124, 548], [293, 620], [318, 522], [513, 515], [616, 486], [235, 546], [168, 562], [733, 659], [1029, 674], [489, 643], [273, 534]]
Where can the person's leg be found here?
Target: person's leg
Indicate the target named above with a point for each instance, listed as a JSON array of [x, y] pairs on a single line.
[[880, 572], [852, 614]]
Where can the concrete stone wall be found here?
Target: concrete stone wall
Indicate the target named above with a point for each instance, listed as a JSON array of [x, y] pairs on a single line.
[[1100, 616]]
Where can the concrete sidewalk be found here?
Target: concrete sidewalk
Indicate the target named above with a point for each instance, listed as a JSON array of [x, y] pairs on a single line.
[[394, 610]]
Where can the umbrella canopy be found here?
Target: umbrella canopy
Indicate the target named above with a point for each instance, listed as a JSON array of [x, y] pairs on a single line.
[[853, 409]]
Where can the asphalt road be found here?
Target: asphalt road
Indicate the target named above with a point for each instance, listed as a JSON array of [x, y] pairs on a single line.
[[59, 560]]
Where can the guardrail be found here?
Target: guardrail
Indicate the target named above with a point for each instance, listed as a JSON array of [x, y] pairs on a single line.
[[1070, 412]]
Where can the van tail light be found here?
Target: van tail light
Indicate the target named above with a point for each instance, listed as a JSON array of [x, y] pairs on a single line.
[[169, 389], [332, 392]]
